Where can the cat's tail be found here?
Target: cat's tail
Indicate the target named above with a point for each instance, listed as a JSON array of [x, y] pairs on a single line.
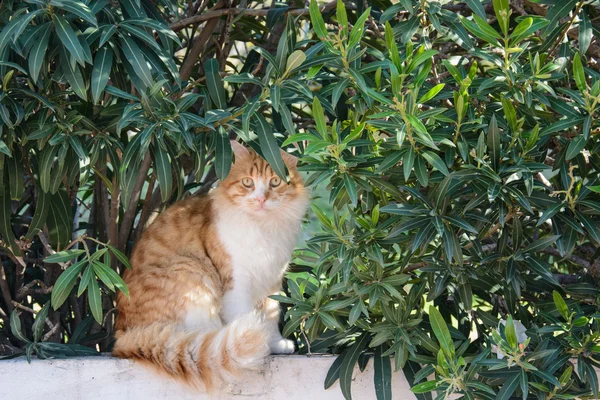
[[203, 359]]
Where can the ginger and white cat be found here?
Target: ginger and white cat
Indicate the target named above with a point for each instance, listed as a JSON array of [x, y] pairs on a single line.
[[203, 271]]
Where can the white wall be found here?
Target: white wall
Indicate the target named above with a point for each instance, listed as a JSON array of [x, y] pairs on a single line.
[[106, 378]]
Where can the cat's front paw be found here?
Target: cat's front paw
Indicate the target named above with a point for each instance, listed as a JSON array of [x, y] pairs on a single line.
[[282, 346]]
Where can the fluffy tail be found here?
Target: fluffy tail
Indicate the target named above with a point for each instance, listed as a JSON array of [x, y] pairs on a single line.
[[200, 358]]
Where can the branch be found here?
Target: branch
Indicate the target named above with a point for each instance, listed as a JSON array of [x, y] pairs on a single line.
[[129, 215], [145, 208], [28, 289], [197, 48], [196, 19], [575, 259], [5, 290]]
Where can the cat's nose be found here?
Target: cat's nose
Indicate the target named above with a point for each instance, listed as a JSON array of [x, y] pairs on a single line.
[[261, 200]]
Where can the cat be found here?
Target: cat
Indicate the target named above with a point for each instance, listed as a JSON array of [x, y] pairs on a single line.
[[202, 273]]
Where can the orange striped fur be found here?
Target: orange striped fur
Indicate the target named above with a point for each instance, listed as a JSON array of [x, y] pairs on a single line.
[[198, 307]]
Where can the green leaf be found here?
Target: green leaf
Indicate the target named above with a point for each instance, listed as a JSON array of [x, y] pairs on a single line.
[[164, 172], [575, 146], [39, 322], [493, 142], [5, 213], [38, 52], [73, 75], [15, 326], [351, 188], [59, 220], [15, 27], [101, 72], [107, 33], [223, 156], [585, 31], [95, 300], [333, 374], [436, 162], [461, 223], [319, 116], [358, 28], [383, 375], [317, 20], [424, 387], [16, 175], [295, 60], [511, 333], [214, 83], [559, 10], [560, 304], [39, 217], [110, 277], [541, 244], [65, 283], [269, 147], [431, 93], [276, 98], [77, 8], [348, 363], [549, 213], [477, 8], [120, 256], [63, 256], [508, 388], [481, 29], [69, 39], [441, 331], [135, 57], [579, 74]]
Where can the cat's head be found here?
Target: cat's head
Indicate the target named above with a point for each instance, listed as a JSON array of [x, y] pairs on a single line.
[[253, 187]]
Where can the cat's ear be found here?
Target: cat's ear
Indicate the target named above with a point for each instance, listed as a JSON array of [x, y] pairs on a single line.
[[239, 150], [289, 160]]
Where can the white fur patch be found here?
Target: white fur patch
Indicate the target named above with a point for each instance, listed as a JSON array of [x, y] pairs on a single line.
[[260, 249]]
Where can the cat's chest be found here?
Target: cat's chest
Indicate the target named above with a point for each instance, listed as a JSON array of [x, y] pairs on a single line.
[[250, 245]]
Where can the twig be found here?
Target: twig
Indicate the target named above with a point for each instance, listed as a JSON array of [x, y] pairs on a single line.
[[145, 208], [179, 25], [28, 289], [565, 31], [129, 215], [198, 46], [49, 249], [5, 290], [492, 230]]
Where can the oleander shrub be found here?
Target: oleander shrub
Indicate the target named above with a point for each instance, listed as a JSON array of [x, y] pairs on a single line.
[[452, 148]]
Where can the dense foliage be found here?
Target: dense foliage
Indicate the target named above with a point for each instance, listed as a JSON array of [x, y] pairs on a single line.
[[452, 147]]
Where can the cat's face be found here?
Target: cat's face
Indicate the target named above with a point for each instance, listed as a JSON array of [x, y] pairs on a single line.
[[253, 187]]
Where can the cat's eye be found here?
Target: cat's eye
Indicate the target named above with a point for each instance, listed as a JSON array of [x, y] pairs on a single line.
[[275, 181], [248, 182]]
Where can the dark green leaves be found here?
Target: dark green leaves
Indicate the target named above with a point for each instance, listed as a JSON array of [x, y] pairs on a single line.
[[162, 164], [69, 39], [493, 142], [38, 52], [440, 329], [383, 375], [224, 154], [317, 20], [348, 363], [135, 58], [101, 72], [215, 84], [269, 146], [65, 283]]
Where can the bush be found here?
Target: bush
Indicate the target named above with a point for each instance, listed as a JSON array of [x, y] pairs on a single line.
[[455, 145]]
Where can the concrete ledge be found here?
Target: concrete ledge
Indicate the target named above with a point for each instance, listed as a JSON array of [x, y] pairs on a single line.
[[107, 378]]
